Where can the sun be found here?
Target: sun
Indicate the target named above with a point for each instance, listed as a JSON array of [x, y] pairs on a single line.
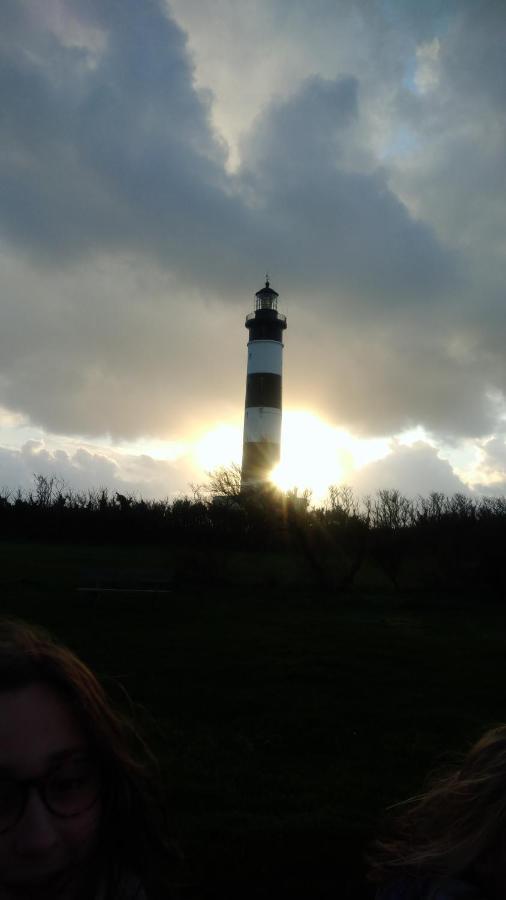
[[312, 457], [314, 454]]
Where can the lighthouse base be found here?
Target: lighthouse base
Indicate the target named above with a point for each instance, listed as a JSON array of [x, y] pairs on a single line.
[[258, 461]]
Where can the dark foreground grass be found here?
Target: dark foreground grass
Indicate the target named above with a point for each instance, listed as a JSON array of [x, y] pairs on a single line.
[[285, 722]]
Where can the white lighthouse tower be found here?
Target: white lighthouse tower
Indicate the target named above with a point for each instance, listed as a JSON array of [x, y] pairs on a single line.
[[262, 414]]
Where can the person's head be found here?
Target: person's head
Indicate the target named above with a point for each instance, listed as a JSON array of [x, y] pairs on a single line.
[[76, 803], [457, 828]]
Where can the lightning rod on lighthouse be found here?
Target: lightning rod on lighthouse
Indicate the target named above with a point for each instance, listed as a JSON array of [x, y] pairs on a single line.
[[262, 413]]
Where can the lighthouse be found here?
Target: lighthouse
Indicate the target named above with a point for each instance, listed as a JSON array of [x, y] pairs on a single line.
[[262, 413]]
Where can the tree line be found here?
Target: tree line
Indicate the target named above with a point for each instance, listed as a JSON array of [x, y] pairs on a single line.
[[447, 542]]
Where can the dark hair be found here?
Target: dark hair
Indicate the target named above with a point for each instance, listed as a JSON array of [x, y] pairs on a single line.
[[133, 828], [456, 828]]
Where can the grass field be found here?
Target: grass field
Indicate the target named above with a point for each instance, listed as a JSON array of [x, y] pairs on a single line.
[[285, 721]]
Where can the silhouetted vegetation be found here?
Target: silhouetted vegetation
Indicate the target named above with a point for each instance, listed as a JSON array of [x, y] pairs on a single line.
[[284, 724], [435, 542], [304, 666]]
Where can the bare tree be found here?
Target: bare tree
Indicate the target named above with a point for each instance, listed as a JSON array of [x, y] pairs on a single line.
[[47, 489], [225, 481]]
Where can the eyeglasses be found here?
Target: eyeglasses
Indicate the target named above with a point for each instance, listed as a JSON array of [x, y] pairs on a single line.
[[69, 790]]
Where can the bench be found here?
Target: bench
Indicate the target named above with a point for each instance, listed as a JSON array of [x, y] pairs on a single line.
[[125, 581]]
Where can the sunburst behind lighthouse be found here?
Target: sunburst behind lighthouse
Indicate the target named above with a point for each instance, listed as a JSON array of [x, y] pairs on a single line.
[[262, 413]]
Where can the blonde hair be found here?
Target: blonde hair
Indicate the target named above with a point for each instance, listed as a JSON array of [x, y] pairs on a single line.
[[455, 827]]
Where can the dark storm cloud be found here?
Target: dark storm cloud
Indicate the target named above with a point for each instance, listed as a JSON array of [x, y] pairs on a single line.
[[115, 349], [109, 149], [114, 150], [475, 57], [458, 175], [337, 230], [386, 376], [456, 178], [111, 168]]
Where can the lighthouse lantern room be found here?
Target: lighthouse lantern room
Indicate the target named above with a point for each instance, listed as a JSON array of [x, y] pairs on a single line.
[[262, 414]]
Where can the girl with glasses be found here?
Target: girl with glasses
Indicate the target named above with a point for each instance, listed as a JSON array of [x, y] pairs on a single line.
[[80, 815]]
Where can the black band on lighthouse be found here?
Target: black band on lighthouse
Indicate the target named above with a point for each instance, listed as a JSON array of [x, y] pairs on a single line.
[[259, 458], [263, 389], [266, 325], [262, 330]]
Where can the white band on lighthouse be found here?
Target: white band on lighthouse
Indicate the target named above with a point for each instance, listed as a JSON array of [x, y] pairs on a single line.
[[265, 356], [262, 423]]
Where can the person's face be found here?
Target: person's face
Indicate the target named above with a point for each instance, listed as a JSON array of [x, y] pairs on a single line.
[[44, 855]]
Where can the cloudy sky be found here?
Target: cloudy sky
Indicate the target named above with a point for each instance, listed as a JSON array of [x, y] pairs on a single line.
[[159, 156]]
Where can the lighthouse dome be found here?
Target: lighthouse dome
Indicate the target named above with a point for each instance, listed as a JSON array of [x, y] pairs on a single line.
[[266, 298]]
